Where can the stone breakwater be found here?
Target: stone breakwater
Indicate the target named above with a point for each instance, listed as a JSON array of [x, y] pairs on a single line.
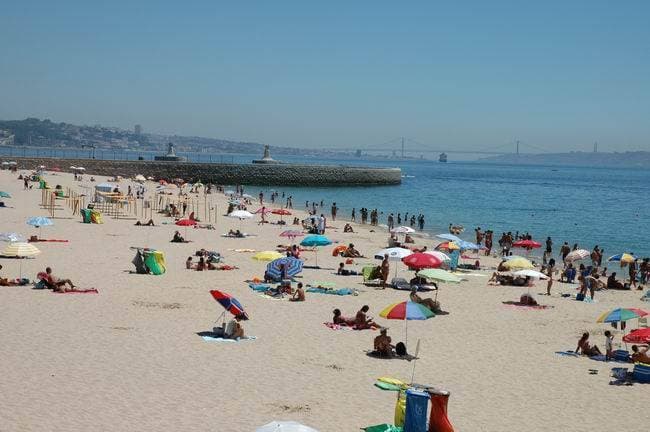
[[245, 174]]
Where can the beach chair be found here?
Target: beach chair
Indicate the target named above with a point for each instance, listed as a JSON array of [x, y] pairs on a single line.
[[621, 355], [370, 273], [641, 373]]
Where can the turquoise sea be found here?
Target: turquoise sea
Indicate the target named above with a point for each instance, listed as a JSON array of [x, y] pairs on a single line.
[[603, 206]]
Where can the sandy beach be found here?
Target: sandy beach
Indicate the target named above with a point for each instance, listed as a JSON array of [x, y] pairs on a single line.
[[129, 358]]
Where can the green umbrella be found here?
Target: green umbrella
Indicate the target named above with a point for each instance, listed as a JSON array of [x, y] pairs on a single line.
[[439, 275], [4, 194]]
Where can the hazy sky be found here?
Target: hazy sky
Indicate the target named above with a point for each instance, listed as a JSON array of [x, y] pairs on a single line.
[[475, 74]]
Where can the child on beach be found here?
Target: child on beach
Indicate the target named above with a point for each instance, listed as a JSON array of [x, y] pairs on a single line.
[[609, 351]]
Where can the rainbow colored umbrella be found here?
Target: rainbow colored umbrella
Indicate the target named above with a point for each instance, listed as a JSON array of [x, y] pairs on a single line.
[[621, 314], [229, 303], [407, 311]]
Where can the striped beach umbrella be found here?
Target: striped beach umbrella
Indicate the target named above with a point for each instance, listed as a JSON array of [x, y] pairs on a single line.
[[621, 314], [229, 303], [292, 267], [577, 255], [406, 311], [20, 250]]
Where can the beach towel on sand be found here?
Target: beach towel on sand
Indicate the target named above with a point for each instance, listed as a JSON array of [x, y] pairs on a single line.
[[600, 357], [219, 339], [78, 291], [341, 291]]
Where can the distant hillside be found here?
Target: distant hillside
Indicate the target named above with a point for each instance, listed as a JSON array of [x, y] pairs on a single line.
[[46, 133], [638, 159]]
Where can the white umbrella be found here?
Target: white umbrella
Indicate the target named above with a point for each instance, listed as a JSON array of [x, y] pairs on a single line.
[[140, 178], [285, 426], [577, 255], [20, 250], [530, 273], [394, 254], [12, 237], [241, 214], [402, 230]]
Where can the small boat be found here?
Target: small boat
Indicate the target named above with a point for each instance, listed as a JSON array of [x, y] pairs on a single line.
[[443, 157]]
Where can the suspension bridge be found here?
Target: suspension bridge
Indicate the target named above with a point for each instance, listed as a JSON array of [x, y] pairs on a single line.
[[401, 147]]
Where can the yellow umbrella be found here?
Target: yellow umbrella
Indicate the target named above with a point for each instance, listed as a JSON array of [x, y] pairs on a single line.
[[267, 256], [20, 250], [518, 263]]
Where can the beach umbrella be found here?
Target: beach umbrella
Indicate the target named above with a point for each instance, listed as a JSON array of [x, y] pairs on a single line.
[[20, 250], [638, 336], [448, 246], [530, 273], [519, 263], [247, 196], [241, 214], [12, 237], [316, 240], [449, 237], [407, 311], [81, 169], [229, 192], [185, 223], [624, 258], [140, 178], [292, 234], [281, 212], [439, 275], [284, 426], [4, 194], [577, 255], [441, 256], [229, 303], [527, 244], [402, 230], [39, 222], [621, 314], [292, 266], [394, 253], [267, 256], [421, 260]]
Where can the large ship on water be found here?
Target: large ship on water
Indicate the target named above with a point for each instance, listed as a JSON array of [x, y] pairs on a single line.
[[442, 157]]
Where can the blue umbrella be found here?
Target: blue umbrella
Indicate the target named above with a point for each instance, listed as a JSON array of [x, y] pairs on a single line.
[[450, 237], [39, 221], [316, 240], [292, 266], [11, 237], [465, 245]]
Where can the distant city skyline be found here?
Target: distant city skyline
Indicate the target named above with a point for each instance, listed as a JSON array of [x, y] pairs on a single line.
[[558, 76]]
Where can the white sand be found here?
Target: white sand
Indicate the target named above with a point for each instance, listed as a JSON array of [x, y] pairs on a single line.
[[129, 358]]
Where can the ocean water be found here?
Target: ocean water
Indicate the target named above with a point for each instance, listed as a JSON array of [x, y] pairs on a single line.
[[609, 207]]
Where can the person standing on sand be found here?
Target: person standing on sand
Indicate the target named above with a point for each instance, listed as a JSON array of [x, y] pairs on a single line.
[[391, 221], [479, 236], [334, 211], [353, 216], [632, 273], [385, 270], [549, 272], [488, 242]]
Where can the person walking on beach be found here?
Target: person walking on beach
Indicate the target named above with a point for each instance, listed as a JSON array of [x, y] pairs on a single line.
[[321, 224], [632, 273], [609, 345], [488, 242], [391, 221], [261, 198], [334, 211], [385, 270], [353, 216], [479, 236]]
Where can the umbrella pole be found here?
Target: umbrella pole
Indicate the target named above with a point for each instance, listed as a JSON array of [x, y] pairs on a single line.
[[406, 338]]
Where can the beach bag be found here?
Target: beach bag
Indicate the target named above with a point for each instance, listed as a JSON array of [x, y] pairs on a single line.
[[400, 409], [580, 297], [400, 349]]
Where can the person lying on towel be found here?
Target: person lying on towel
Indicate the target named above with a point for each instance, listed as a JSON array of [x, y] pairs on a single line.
[[342, 271]]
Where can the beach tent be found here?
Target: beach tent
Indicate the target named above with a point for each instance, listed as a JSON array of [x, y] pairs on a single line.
[[149, 261]]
